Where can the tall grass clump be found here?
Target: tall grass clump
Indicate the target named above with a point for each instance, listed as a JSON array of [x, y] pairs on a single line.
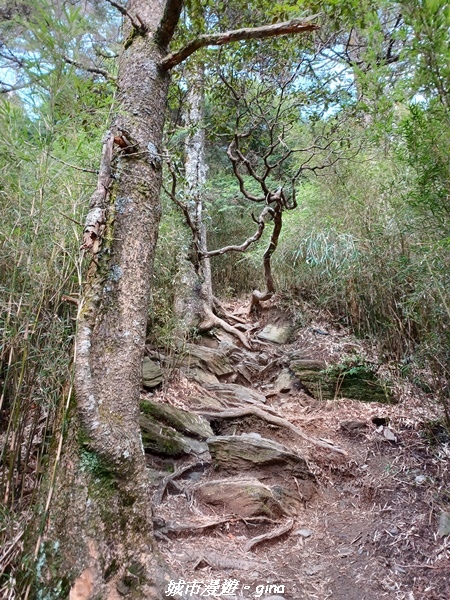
[[42, 199], [362, 247]]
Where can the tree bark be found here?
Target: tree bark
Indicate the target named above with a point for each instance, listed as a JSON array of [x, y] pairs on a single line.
[[195, 287], [99, 541], [195, 302]]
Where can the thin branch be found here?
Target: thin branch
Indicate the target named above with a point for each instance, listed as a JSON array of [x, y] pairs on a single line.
[[235, 164], [294, 26], [123, 11], [63, 162], [243, 247], [14, 88], [172, 193], [95, 70]]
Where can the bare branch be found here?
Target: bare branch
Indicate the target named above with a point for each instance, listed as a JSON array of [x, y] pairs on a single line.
[[292, 27], [172, 193], [140, 27], [63, 162], [95, 70], [235, 163]]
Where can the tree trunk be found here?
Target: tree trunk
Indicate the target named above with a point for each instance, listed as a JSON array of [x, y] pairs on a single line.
[[194, 289], [194, 301], [99, 541]]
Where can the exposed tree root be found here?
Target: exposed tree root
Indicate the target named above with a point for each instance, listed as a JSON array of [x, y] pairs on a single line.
[[270, 418], [218, 304], [270, 535], [213, 320], [158, 497]]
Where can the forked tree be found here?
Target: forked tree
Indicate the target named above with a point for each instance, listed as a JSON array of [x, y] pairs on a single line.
[[267, 161]]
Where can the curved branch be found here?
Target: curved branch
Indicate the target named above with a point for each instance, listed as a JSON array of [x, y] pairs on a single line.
[[243, 247], [235, 162], [95, 70], [258, 296], [294, 26]]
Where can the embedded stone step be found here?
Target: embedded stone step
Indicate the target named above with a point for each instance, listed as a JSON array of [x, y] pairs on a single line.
[[248, 497]]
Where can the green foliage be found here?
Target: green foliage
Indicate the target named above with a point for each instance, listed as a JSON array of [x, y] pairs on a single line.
[[56, 122]]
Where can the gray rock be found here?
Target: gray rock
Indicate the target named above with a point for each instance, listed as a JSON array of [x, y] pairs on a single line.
[[166, 441], [359, 382], [284, 382], [152, 375], [212, 359], [444, 524], [243, 497], [278, 334], [202, 376], [306, 533], [179, 419], [234, 392], [243, 452]]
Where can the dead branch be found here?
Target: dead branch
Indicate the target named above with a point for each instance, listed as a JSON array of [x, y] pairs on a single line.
[[270, 535], [295, 26], [95, 70], [274, 419], [96, 217], [139, 27]]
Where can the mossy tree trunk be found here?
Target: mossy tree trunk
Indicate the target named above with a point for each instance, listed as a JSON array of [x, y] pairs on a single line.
[[99, 541]]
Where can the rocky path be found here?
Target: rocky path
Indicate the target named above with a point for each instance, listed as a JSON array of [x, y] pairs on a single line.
[[295, 470]]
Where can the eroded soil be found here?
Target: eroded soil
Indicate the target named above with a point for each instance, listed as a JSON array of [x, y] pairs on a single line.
[[368, 529]]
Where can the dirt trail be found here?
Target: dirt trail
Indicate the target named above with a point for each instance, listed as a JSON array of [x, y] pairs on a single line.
[[365, 529]]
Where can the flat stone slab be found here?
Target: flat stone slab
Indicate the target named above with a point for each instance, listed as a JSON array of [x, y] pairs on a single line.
[[357, 382], [163, 440], [248, 497], [181, 420], [243, 452], [152, 375], [278, 334], [235, 393], [201, 376], [212, 359], [284, 382]]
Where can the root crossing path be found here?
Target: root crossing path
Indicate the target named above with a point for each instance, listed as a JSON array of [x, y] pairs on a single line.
[[296, 469]]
